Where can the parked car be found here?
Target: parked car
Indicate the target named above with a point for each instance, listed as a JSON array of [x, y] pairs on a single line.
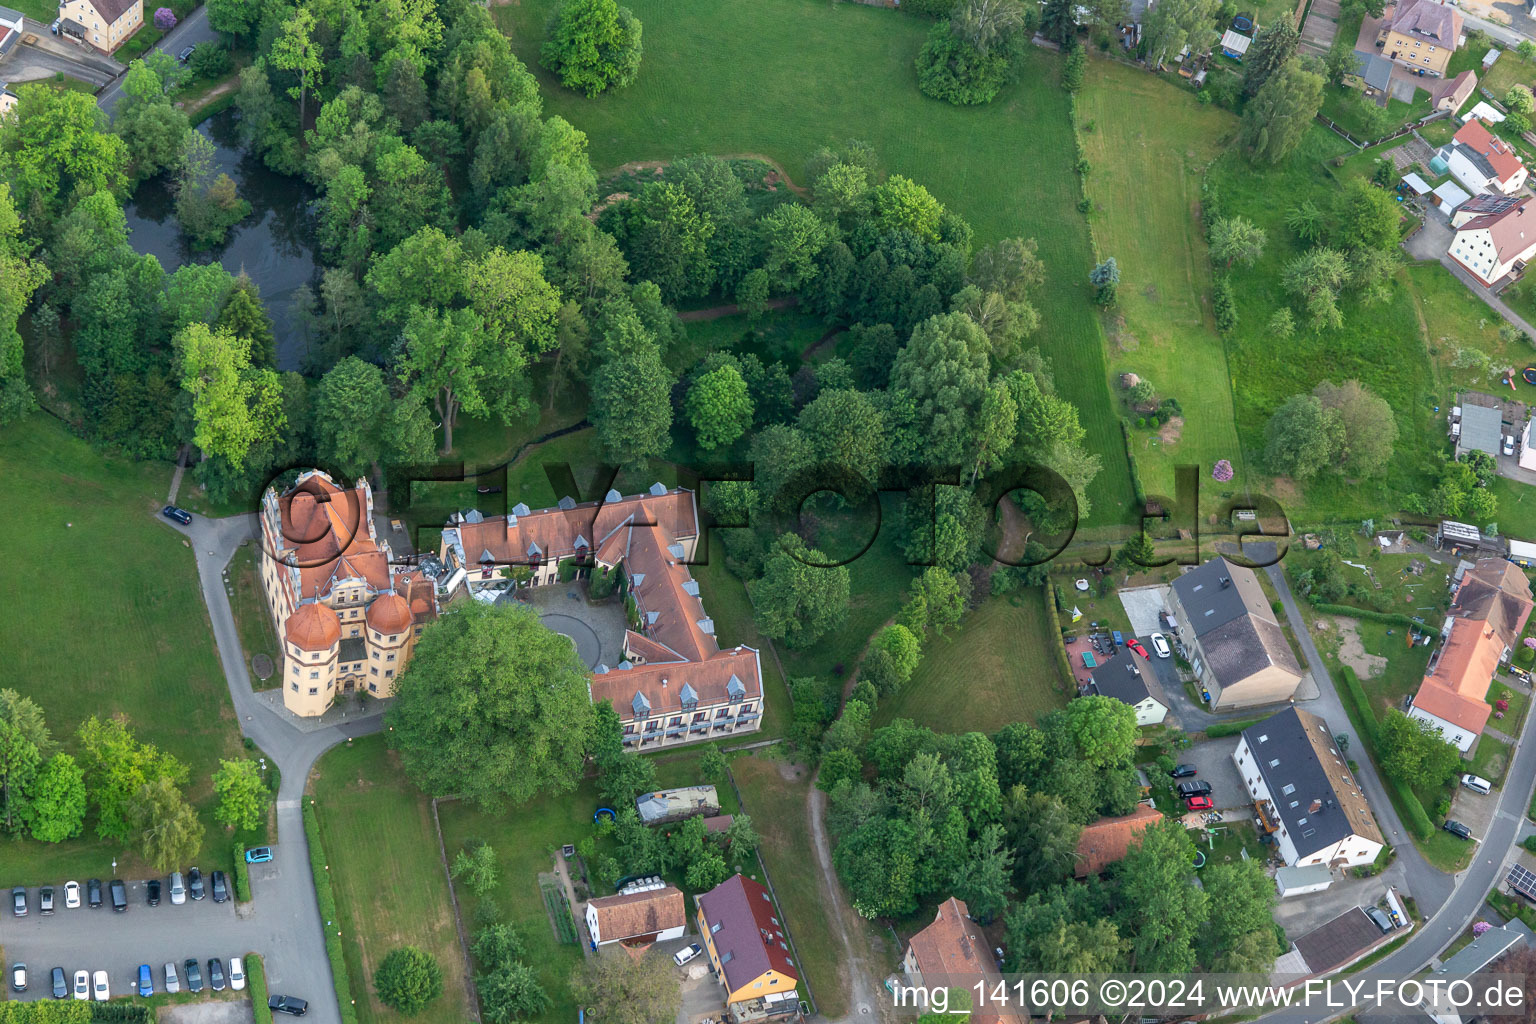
[[236, 974], [216, 974], [54, 28], [287, 1004], [1135, 645], [178, 889], [60, 983], [1160, 645], [1184, 771], [220, 888], [93, 892], [195, 884], [146, 982], [18, 977], [172, 983], [194, 975], [687, 953], [1509, 445], [260, 855], [1477, 784], [82, 985], [45, 900], [1200, 803], [177, 515], [19, 901], [1457, 829], [71, 895], [1197, 788], [99, 987], [186, 54], [1379, 919], [152, 892], [1117, 637], [119, 893]]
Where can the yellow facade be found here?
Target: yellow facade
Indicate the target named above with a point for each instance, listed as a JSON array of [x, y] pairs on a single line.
[[767, 982], [101, 34], [1417, 53]]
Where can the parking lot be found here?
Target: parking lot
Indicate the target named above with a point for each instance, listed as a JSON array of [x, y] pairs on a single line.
[[1213, 758], [100, 939]]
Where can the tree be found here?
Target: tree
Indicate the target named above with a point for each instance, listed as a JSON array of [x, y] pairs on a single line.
[[24, 744], [631, 402], [845, 428], [1316, 276], [56, 150], [147, 122], [893, 657], [942, 371], [477, 868], [1415, 752], [1520, 100], [1102, 729], [408, 979], [168, 830], [593, 45], [622, 989], [984, 879], [792, 237], [1276, 119], [234, 405], [57, 800], [297, 51], [985, 24], [510, 992], [1273, 46], [1170, 26], [797, 600], [235, 17], [207, 206], [1042, 825], [1307, 221], [1058, 22], [1367, 427], [1526, 50], [116, 766], [242, 794], [900, 202], [719, 407], [1159, 910], [1105, 277], [1302, 437], [1282, 324], [1060, 931], [493, 706], [1073, 68], [451, 360], [1365, 217], [350, 404], [1240, 933], [1237, 240]]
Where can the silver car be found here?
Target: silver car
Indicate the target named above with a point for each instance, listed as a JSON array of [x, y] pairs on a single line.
[[172, 983], [178, 889]]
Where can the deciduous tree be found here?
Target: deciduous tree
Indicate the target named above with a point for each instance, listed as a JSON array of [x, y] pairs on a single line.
[[1276, 119], [168, 831], [593, 45], [408, 979], [1415, 752], [243, 795], [57, 800], [624, 989], [797, 600], [719, 407]]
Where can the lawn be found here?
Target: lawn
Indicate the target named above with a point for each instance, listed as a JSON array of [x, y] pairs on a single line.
[[1145, 186], [390, 886], [1515, 716], [996, 667], [252, 619], [1491, 759], [130, 638], [1345, 106], [773, 78]]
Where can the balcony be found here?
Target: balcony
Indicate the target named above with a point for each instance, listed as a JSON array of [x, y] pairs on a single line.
[[1268, 820]]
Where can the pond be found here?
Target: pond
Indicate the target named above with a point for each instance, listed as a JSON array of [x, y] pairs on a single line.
[[274, 245]]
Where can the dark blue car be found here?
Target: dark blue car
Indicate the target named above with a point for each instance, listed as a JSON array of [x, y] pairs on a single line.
[[177, 515]]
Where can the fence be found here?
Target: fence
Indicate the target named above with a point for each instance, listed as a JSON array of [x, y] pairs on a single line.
[[458, 915], [1407, 129]]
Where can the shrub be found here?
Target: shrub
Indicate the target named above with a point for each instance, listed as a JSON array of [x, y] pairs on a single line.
[[952, 70], [256, 978], [408, 979], [208, 60], [1221, 729], [1225, 304], [165, 19], [242, 875], [327, 902], [1390, 618]]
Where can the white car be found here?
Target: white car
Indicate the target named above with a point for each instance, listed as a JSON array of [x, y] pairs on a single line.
[[236, 974], [687, 953], [82, 985], [1509, 445], [172, 983], [99, 987], [1160, 645], [72, 895], [19, 977]]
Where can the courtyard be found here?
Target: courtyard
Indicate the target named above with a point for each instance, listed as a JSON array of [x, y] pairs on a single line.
[[596, 630]]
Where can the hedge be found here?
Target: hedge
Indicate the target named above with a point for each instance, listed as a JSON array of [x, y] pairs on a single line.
[[1064, 663], [327, 901], [1130, 457], [1390, 618], [122, 1013], [1364, 717], [256, 978], [1229, 728], [242, 875]]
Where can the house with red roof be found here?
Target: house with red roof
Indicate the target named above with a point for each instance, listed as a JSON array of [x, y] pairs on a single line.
[[347, 615], [1483, 162], [953, 953], [1108, 840]]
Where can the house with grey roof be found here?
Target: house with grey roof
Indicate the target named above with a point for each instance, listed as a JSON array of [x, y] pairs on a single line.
[[1130, 679], [1304, 793], [1233, 641]]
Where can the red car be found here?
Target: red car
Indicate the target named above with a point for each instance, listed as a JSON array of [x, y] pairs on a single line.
[[1200, 803], [1135, 645]]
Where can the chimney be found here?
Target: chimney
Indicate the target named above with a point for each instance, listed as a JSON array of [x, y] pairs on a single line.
[[1316, 806]]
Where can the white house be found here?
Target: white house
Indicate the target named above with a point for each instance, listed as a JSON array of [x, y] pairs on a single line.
[[1494, 237], [1483, 162], [1129, 678], [1304, 793], [646, 911]]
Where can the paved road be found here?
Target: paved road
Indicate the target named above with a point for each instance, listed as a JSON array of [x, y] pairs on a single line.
[[31, 63], [193, 30], [284, 902]]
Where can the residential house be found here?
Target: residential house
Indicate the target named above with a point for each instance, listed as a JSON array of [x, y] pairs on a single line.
[[1453, 93], [1329, 948], [676, 683], [953, 953], [1478, 423], [1108, 840], [348, 614], [1131, 679], [1234, 642], [8, 99], [1421, 34], [1304, 793], [1494, 245], [748, 948], [1482, 161], [1488, 613], [12, 28], [103, 25], [638, 914]]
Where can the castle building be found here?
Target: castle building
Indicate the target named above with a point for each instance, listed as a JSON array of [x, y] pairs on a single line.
[[347, 615]]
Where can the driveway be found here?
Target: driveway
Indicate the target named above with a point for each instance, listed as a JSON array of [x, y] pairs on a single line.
[[1142, 606], [33, 63], [99, 939], [1213, 758], [194, 29], [1474, 810]]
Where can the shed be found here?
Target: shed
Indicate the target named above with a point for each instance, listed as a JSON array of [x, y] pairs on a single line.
[[1298, 881], [1449, 196], [1489, 57], [1522, 553], [1234, 44], [1419, 185], [1378, 72], [1485, 112]]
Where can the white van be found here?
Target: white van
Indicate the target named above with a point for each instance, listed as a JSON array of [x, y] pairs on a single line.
[[1477, 785]]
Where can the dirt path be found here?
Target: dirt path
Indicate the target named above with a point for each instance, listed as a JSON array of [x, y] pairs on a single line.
[[731, 309], [862, 983], [225, 87], [779, 175], [1354, 654]]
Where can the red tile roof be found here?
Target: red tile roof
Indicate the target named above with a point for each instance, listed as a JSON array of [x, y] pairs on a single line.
[[1512, 232], [389, 613], [1445, 703], [636, 914], [1109, 839], [313, 626], [1499, 154], [953, 952]]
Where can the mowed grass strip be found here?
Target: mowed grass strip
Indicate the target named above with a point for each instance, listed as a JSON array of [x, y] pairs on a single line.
[[1145, 186], [390, 887], [996, 667], [781, 78], [109, 620]]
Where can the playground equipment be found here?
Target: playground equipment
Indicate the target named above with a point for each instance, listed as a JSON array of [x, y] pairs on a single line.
[[1529, 373], [602, 811]]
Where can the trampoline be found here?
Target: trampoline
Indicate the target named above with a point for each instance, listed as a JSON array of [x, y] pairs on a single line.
[[1529, 373], [602, 811]]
